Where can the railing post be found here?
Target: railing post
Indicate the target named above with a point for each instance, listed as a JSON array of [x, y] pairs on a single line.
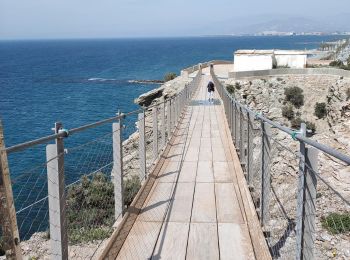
[[173, 114], [57, 197], [142, 145], [249, 149], [168, 110], [117, 171], [265, 173], [236, 126], [162, 119], [8, 221], [155, 132], [241, 136], [232, 121], [306, 200]]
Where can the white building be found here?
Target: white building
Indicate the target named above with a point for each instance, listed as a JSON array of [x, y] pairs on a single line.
[[250, 60]]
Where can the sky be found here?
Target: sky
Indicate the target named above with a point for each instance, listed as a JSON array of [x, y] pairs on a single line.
[[36, 19]]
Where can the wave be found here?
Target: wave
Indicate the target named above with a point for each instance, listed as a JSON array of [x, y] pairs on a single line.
[[101, 79]]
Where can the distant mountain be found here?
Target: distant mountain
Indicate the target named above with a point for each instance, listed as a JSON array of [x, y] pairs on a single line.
[[257, 24]]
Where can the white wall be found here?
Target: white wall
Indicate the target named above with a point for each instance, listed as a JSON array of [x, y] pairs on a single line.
[[252, 62], [291, 61]]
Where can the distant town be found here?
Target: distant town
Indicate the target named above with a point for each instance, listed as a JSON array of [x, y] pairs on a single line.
[[276, 33]]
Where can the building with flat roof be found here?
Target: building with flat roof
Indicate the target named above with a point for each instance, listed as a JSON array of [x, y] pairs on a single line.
[[250, 60]]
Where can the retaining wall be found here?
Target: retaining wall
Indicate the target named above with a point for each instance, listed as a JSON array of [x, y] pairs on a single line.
[[286, 71]]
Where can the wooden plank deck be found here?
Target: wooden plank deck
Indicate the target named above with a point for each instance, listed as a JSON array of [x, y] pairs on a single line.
[[193, 210]]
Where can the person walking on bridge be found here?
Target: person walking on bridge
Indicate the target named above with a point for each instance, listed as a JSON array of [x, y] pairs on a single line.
[[211, 89]]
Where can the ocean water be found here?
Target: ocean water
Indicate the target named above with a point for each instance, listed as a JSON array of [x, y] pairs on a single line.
[[83, 81]]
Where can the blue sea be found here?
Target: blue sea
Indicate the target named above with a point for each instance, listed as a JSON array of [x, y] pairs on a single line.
[[82, 81]]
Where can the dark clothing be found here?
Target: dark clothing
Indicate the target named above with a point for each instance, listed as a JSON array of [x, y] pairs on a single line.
[[211, 87]]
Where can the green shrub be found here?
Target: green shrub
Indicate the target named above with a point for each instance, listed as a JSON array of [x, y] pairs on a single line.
[[230, 89], [336, 63], [238, 85], [348, 94], [131, 187], [90, 206], [295, 96], [288, 112], [320, 110], [169, 76], [336, 223], [296, 122], [310, 126]]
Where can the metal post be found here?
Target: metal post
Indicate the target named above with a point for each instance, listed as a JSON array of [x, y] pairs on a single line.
[[265, 173], [300, 198], [241, 136], [236, 126], [155, 132], [229, 114], [162, 119], [173, 107], [168, 110], [310, 204], [8, 221], [57, 197], [232, 121], [175, 112], [142, 145], [117, 171], [306, 201], [250, 171]]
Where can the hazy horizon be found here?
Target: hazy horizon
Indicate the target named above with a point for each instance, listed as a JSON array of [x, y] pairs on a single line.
[[105, 19]]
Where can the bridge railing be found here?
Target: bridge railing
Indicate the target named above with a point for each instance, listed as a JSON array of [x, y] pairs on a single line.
[[303, 211], [65, 198]]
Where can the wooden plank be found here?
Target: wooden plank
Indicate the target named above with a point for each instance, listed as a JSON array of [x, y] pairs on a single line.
[[222, 172], [157, 202], [203, 242], [192, 154], [204, 209], [205, 172], [227, 206], [188, 172], [234, 242], [219, 154], [205, 153], [169, 172], [181, 207], [172, 241], [140, 241], [8, 220]]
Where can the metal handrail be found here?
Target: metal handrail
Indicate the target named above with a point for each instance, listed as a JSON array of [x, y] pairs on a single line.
[[294, 133]]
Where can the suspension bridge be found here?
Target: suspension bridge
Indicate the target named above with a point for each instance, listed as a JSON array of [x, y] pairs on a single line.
[[208, 186]]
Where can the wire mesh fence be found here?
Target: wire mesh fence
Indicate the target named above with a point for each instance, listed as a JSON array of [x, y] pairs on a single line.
[[302, 204]]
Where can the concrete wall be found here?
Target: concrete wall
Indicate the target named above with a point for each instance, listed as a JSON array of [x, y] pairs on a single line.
[[276, 72], [253, 62], [291, 61]]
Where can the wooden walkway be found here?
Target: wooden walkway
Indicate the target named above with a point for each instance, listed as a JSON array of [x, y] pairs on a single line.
[[194, 209]]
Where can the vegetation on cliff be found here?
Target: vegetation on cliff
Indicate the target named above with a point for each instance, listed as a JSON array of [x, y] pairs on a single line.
[[295, 96], [169, 76], [337, 223], [90, 206]]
